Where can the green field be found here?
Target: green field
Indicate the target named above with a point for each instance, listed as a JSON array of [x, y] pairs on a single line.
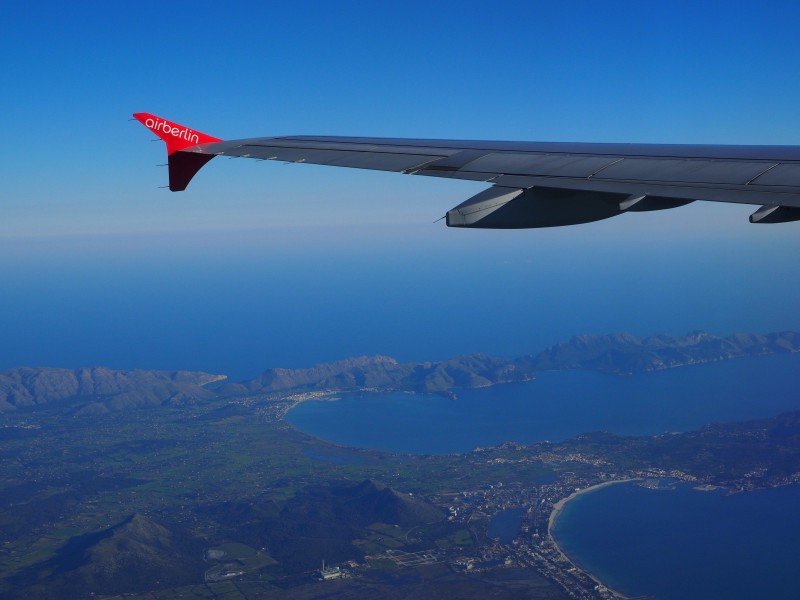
[[133, 502]]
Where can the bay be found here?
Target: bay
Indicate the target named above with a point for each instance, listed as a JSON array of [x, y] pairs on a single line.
[[683, 543], [559, 405]]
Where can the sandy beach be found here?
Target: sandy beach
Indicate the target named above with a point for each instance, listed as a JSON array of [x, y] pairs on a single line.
[[559, 506]]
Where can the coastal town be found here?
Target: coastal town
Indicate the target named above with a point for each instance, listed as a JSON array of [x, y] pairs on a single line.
[[539, 504], [225, 496], [534, 545]]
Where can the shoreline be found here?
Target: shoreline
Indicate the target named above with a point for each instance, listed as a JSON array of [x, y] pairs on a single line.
[[558, 507]]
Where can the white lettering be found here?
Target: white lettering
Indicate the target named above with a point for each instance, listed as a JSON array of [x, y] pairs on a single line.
[[158, 125]]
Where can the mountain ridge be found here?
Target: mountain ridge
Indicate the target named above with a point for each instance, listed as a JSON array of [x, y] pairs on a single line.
[[115, 559], [114, 389], [100, 390]]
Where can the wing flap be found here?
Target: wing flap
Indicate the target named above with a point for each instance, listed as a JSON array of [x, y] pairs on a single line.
[[670, 170], [527, 163], [429, 171], [784, 175]]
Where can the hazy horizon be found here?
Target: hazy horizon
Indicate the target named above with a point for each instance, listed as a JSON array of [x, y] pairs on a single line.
[[238, 304]]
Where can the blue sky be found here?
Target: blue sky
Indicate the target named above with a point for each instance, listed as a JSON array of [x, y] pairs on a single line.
[[80, 202]]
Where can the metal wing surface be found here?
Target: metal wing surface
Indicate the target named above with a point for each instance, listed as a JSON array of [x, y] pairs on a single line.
[[538, 184], [544, 184]]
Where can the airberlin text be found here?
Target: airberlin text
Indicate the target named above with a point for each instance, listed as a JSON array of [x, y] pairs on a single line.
[[178, 132]]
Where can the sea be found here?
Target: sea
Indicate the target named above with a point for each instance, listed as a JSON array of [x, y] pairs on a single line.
[[239, 303], [664, 544], [674, 544], [558, 405]]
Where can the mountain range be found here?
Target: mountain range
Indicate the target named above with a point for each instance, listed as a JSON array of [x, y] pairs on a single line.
[[99, 390]]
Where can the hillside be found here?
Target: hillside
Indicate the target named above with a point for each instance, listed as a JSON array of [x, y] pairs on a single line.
[[623, 353], [322, 521], [116, 560], [100, 390], [620, 353]]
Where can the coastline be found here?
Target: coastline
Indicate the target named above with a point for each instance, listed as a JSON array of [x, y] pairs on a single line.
[[554, 514]]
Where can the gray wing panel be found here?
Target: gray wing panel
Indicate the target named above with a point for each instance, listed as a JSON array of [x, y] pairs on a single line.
[[430, 172], [684, 170], [528, 163], [742, 174], [361, 156], [787, 175], [383, 161]]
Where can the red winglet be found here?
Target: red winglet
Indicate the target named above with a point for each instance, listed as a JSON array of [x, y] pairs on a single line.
[[182, 165], [176, 136]]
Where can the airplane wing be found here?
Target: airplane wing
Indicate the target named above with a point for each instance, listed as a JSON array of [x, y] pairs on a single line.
[[533, 184]]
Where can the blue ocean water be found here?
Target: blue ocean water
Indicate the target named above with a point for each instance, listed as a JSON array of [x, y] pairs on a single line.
[[662, 544], [683, 543], [559, 405], [243, 302]]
